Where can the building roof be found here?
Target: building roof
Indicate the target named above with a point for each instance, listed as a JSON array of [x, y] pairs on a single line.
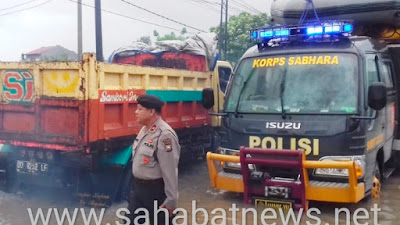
[[40, 51]]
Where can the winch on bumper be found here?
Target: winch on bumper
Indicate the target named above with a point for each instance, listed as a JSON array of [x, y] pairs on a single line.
[[290, 186]]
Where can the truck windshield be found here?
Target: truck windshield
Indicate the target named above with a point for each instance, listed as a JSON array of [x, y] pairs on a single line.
[[312, 83]]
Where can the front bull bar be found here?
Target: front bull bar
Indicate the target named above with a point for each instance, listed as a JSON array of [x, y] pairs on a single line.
[[350, 192], [290, 161]]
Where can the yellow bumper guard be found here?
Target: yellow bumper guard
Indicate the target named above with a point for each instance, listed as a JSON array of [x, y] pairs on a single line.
[[350, 192]]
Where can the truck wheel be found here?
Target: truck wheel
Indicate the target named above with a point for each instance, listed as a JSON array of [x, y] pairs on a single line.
[[11, 184], [376, 183]]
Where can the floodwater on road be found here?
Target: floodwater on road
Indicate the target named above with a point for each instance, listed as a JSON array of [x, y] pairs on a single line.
[[194, 188]]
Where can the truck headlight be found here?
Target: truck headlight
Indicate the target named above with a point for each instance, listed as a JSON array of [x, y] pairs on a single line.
[[227, 151], [331, 172]]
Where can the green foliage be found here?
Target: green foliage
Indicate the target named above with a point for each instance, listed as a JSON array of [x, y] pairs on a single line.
[[58, 58], [239, 28], [184, 31], [170, 36]]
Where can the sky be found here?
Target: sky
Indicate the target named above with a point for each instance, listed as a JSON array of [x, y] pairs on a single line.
[[26, 25]]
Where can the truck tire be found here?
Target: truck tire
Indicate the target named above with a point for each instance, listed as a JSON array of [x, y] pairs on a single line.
[[376, 183], [11, 184]]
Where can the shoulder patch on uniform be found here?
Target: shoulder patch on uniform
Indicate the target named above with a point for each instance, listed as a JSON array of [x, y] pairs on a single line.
[[167, 144]]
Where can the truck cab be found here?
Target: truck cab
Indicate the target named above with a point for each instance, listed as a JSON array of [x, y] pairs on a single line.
[[330, 94]]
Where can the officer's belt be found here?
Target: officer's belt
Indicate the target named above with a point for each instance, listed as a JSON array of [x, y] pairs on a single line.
[[156, 181]]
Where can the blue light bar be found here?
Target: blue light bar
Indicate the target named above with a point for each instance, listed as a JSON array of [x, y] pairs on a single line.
[[285, 32], [266, 34], [282, 33], [332, 29], [329, 31], [348, 28], [315, 30]]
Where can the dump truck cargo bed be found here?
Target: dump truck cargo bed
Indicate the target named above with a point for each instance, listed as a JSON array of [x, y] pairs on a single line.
[[74, 105]]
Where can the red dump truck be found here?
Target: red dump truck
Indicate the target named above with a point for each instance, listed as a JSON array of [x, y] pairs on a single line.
[[71, 124]]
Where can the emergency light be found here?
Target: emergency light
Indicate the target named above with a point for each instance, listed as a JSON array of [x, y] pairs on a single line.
[[330, 30]]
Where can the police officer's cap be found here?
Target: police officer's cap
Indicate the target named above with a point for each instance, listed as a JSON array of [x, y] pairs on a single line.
[[150, 102]]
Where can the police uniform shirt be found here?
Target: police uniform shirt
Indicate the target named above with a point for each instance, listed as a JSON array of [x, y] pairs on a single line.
[[156, 155]]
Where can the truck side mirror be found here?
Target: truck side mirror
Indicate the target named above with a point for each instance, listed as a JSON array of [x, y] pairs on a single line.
[[208, 98], [377, 95]]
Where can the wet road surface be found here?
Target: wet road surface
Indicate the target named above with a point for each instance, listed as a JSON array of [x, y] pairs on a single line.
[[194, 186]]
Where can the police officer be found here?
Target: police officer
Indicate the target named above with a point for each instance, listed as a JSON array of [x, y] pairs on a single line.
[[155, 159]]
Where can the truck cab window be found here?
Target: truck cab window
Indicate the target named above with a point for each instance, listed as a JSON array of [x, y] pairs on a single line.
[[310, 83], [372, 70], [372, 77], [387, 74], [224, 74]]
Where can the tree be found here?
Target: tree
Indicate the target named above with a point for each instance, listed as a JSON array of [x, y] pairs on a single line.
[[59, 58], [183, 31], [239, 28], [170, 36], [145, 39]]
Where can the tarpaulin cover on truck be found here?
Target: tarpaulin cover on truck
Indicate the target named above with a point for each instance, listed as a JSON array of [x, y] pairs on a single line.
[[194, 53]]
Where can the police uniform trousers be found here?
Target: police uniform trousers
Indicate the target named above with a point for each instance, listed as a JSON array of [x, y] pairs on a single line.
[[142, 195]]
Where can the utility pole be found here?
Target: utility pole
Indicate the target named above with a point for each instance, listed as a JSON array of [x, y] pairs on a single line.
[[220, 30], [226, 27], [99, 37], [79, 29]]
